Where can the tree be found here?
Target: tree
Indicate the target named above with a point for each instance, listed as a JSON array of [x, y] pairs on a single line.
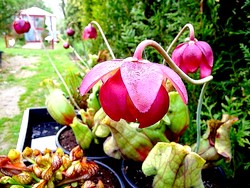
[[10, 8]]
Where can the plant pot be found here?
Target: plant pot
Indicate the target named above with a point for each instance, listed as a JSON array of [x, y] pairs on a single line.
[[134, 177], [65, 139], [108, 176], [38, 130]]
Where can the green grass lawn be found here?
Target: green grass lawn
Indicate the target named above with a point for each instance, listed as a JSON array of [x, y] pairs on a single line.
[[34, 95]]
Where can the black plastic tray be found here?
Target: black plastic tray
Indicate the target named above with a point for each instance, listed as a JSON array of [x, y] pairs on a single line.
[[38, 131]]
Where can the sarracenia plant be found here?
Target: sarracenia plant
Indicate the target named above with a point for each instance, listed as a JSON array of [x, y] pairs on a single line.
[[136, 91], [47, 168]]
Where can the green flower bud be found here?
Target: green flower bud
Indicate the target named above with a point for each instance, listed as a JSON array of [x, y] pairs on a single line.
[[60, 108], [82, 133], [111, 149]]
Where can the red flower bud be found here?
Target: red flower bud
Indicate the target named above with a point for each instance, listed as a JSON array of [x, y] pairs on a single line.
[[89, 32], [21, 26], [70, 32], [66, 45]]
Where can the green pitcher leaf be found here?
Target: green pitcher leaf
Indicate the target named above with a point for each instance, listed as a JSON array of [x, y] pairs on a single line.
[[100, 130], [215, 143], [132, 143], [111, 149], [207, 151], [156, 132], [173, 165], [222, 139], [82, 133]]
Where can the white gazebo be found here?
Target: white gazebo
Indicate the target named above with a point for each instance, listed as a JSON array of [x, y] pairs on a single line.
[[40, 21]]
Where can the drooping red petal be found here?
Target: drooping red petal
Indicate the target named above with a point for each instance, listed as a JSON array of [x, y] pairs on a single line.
[[177, 53], [96, 73], [158, 109], [192, 56], [207, 52], [89, 32], [115, 100], [184, 68], [142, 81], [176, 81], [26, 27], [205, 69]]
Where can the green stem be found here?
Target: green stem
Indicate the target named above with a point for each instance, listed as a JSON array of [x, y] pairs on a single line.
[[104, 38], [35, 177], [63, 81], [198, 117], [54, 66], [145, 43], [84, 51]]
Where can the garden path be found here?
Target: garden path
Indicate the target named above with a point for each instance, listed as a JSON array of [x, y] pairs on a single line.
[[10, 93]]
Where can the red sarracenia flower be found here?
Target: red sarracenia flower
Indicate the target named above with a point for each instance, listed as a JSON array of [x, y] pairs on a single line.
[[133, 89], [194, 54], [21, 26], [89, 32]]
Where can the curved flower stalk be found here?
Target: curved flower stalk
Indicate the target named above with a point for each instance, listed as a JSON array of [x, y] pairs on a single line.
[[189, 57], [170, 62]]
